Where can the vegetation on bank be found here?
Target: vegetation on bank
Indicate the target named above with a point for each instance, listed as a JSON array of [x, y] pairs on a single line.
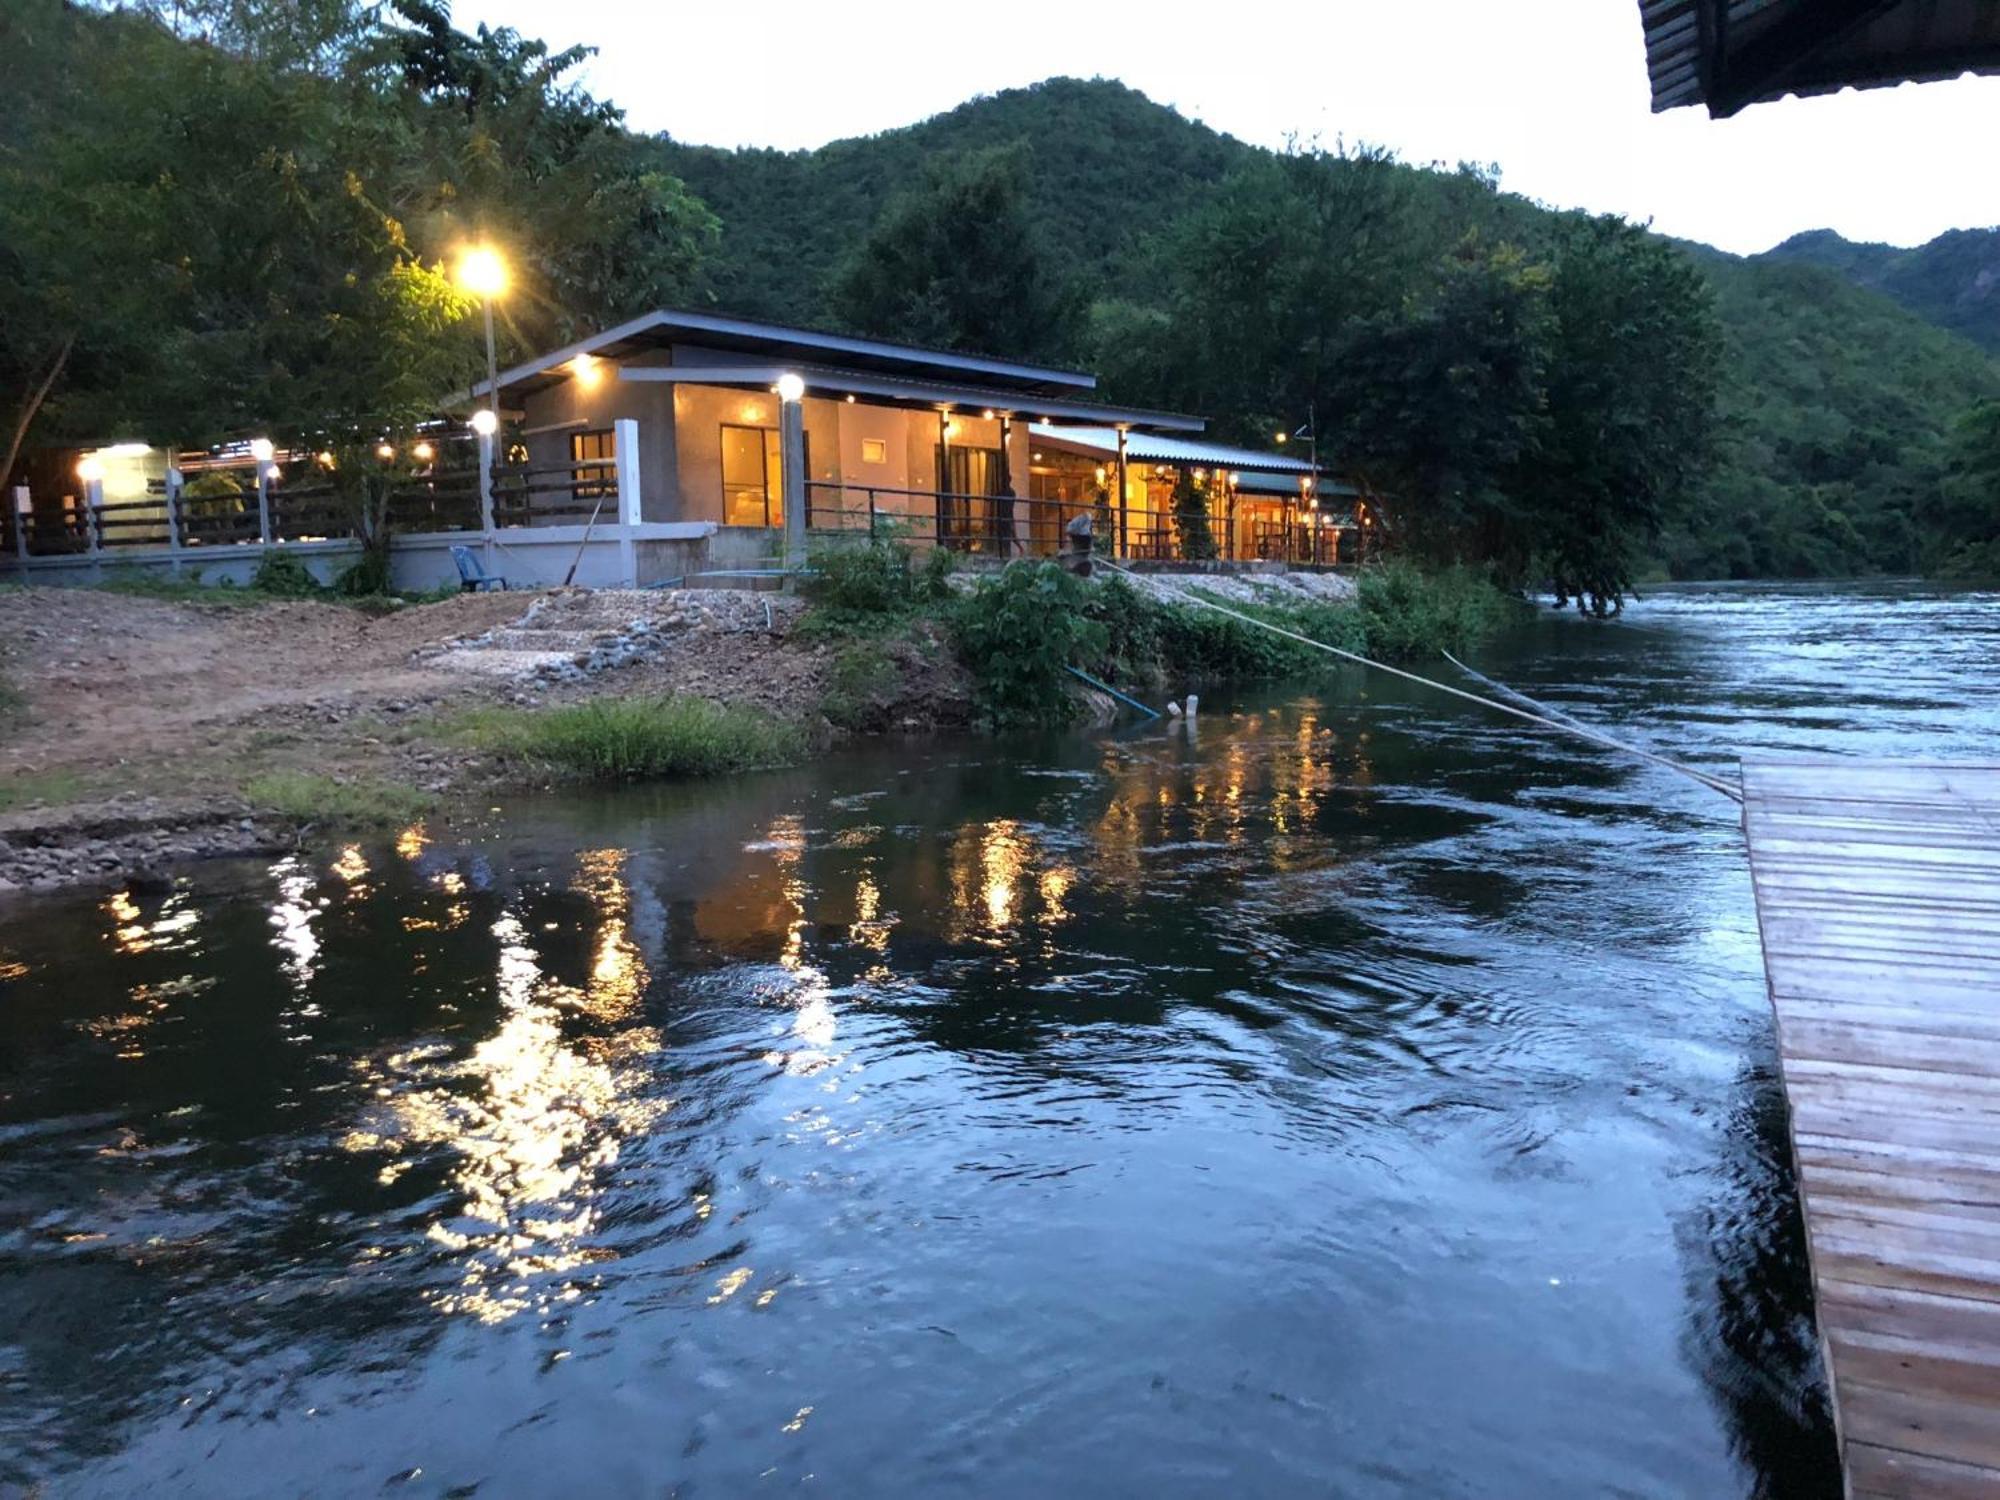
[[1019, 631], [614, 739], [280, 576], [308, 800]]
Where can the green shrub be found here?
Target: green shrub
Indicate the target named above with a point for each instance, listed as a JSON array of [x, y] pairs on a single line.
[[282, 576], [1018, 632], [622, 738], [869, 588], [862, 686], [1407, 611], [309, 800], [367, 577]]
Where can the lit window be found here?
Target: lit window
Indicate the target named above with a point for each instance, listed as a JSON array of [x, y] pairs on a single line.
[[874, 450]]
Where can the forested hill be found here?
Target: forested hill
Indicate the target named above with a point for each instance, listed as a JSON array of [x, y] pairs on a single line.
[[1106, 166], [1837, 401], [1953, 281]]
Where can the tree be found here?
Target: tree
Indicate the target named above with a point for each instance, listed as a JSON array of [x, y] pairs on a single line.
[[1630, 385], [1195, 537], [956, 263], [244, 228], [1436, 403], [1963, 516]]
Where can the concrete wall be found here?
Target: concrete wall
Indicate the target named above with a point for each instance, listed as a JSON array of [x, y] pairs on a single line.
[[569, 407]]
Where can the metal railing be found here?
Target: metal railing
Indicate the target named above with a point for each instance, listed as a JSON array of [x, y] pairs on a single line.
[[984, 525]]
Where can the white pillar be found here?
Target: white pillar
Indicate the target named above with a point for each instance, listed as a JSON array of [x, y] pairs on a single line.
[[263, 502], [631, 503], [173, 493], [93, 502], [486, 525], [792, 474], [24, 509]]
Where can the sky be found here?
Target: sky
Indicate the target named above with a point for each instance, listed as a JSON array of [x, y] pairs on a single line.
[[1553, 91]]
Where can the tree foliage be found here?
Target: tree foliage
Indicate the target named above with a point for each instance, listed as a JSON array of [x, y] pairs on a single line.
[[955, 263], [237, 215]]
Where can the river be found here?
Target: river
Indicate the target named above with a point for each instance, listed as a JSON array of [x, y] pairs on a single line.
[[1354, 1094]]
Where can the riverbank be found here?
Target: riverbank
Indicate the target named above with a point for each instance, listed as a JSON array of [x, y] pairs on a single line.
[[139, 731]]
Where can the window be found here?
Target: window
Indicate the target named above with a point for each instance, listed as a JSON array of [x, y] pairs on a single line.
[[594, 481], [874, 450]]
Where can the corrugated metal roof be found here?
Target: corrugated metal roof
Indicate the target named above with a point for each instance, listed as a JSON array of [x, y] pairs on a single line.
[[1147, 447], [1731, 53]]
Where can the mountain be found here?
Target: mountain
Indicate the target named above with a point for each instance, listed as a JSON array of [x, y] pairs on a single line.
[[1107, 166], [1954, 281], [1839, 388]]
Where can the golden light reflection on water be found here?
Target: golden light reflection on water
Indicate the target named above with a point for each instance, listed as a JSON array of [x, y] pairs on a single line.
[[170, 929], [535, 1121], [412, 841]]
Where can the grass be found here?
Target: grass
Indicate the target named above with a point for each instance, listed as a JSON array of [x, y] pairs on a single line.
[[49, 787], [863, 682], [304, 798], [616, 739]]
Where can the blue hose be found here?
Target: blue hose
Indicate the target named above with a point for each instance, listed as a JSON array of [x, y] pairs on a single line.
[[1105, 687]]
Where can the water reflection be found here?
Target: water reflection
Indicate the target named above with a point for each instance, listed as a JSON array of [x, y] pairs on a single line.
[[1327, 1101]]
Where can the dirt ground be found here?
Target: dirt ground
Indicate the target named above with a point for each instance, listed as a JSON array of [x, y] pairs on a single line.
[[135, 722]]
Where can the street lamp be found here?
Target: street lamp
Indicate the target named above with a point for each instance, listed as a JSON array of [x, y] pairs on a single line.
[[483, 273]]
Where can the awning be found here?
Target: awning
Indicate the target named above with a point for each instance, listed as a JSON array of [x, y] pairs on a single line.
[[1731, 53], [1258, 471]]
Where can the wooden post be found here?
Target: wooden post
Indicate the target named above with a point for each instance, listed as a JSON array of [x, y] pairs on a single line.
[[173, 498], [792, 478], [631, 507], [1123, 542]]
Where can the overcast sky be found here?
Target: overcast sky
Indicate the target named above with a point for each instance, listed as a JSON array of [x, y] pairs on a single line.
[[1553, 90]]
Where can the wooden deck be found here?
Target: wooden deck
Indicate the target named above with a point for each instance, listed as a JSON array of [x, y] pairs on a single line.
[[1878, 895]]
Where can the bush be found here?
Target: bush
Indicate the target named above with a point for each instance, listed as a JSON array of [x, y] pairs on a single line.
[[1407, 611], [282, 576], [862, 687], [305, 799], [365, 578], [1018, 632], [866, 588], [624, 738]]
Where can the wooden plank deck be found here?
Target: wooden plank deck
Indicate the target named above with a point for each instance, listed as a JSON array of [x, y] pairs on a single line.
[[1878, 897]]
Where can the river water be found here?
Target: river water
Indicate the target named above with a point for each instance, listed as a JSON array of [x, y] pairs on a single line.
[[1354, 1096]]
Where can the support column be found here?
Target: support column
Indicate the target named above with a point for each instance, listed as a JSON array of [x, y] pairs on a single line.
[[93, 503], [486, 523], [943, 472], [631, 507], [1123, 542], [263, 502], [792, 478], [24, 510], [173, 498]]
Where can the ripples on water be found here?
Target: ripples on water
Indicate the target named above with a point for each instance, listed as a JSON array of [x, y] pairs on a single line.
[[1350, 1097]]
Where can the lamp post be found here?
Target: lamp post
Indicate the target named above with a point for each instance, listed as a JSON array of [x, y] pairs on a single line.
[[483, 273]]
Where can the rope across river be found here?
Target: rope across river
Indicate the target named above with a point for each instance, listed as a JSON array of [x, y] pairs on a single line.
[[1535, 713]]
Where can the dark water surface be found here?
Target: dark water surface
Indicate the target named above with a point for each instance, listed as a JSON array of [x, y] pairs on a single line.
[[1357, 1097]]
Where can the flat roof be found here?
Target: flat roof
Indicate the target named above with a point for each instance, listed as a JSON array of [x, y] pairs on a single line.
[[666, 327]]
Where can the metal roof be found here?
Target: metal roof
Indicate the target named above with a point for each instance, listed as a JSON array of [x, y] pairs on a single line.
[[1731, 53], [667, 327], [965, 400], [1154, 449]]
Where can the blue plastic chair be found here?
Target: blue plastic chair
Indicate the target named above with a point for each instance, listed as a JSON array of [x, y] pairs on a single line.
[[472, 578]]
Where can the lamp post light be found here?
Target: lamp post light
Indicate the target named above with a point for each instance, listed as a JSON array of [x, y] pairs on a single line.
[[483, 273]]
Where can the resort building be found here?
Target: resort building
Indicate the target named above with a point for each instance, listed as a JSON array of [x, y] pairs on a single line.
[[686, 445]]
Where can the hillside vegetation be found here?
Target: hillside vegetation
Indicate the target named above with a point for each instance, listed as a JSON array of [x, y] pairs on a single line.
[[1952, 281], [1837, 392]]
